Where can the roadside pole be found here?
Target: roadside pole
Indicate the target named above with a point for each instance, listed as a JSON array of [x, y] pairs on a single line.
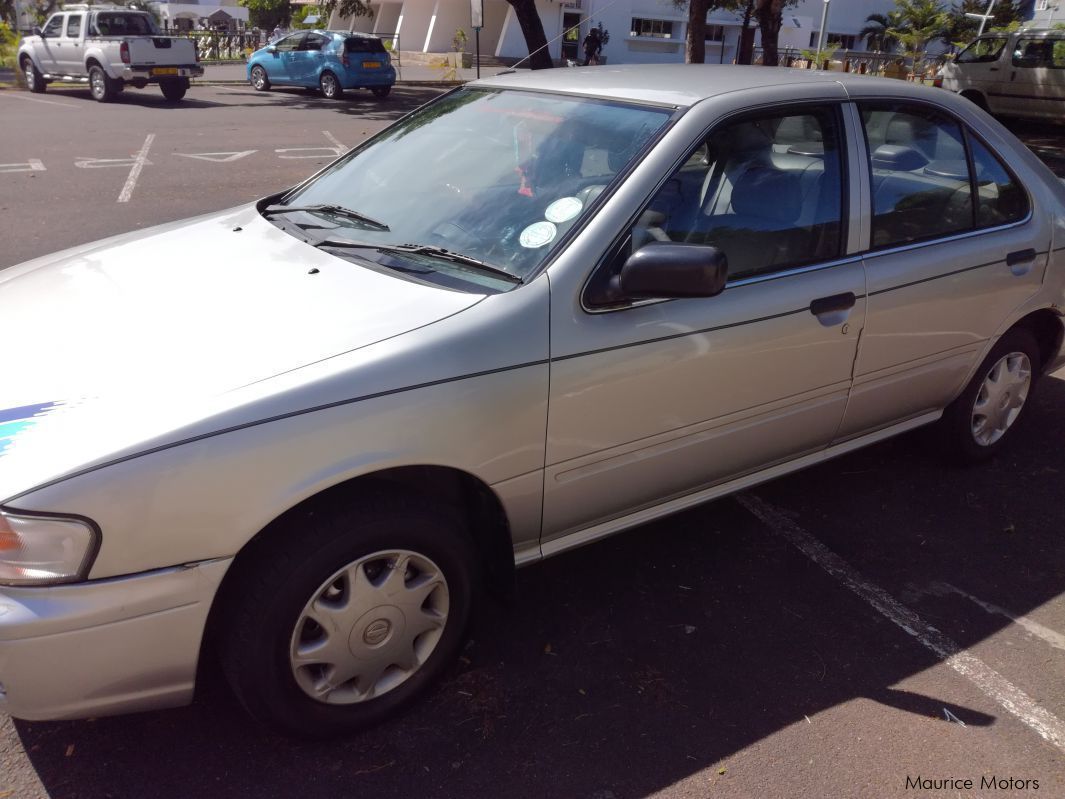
[[477, 22]]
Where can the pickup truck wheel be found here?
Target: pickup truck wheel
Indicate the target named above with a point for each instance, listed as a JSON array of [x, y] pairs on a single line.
[[341, 619], [259, 81], [102, 87], [34, 79], [174, 88], [331, 88], [381, 92]]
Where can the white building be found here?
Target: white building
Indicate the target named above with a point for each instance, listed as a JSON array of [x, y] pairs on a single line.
[[190, 14], [1045, 14], [641, 31]]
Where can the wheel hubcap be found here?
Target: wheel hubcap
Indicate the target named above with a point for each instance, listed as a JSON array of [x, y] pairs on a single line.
[[1001, 397], [29, 76], [327, 86], [97, 83], [257, 76], [369, 627]]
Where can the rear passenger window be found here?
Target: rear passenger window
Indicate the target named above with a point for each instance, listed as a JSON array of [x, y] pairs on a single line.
[[920, 174], [767, 191], [999, 198], [73, 26], [1056, 53], [1028, 53]]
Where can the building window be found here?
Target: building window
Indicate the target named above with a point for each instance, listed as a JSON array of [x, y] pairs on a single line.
[[1043, 5], [655, 28], [844, 41], [715, 33]]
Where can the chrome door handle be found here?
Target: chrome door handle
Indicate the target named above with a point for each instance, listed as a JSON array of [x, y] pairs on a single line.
[[833, 310], [1020, 262]]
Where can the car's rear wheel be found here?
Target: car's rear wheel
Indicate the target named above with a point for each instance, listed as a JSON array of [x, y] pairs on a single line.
[[976, 98], [343, 618], [174, 88], [986, 415], [330, 86], [34, 79], [103, 87], [259, 80], [381, 92]]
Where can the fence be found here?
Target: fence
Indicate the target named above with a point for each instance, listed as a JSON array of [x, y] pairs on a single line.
[[221, 46], [870, 63]]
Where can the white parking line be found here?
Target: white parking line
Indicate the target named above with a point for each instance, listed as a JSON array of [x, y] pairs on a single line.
[[14, 96], [31, 165], [1052, 637], [1013, 699], [135, 171], [340, 147]]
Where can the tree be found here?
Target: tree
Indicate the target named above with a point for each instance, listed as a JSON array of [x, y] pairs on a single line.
[[962, 29], [698, 10], [745, 52], [876, 30], [921, 22], [266, 13], [770, 16], [532, 28]]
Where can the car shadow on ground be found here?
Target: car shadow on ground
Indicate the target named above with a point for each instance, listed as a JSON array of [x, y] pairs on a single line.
[[633, 663], [1043, 138]]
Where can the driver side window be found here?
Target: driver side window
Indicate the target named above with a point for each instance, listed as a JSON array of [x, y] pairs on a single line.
[[766, 190], [290, 43], [53, 28]]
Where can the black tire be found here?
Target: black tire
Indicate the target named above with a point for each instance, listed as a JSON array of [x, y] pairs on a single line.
[[957, 428], [34, 79], [174, 88], [330, 86], [976, 98], [259, 79], [103, 88], [264, 601], [381, 92]]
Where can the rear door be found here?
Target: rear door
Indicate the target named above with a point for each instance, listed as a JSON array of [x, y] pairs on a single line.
[[1026, 73], [69, 51], [944, 273]]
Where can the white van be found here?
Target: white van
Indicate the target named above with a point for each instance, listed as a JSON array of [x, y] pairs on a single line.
[[1013, 74]]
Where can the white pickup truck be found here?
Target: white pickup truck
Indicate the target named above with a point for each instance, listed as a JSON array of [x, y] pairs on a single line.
[[108, 47]]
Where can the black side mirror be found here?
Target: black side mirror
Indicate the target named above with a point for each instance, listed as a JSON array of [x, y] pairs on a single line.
[[661, 270], [36, 30]]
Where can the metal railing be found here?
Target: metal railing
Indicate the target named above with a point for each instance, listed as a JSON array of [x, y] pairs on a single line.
[[860, 61], [221, 46]]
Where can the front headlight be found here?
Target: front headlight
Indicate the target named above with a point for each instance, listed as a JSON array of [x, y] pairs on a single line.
[[40, 550]]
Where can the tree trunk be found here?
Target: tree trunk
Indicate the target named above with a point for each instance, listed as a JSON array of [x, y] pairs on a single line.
[[533, 31], [745, 47], [695, 47], [770, 18]]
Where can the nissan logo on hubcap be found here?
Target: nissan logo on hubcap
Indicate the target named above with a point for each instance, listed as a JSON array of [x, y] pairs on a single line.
[[377, 631]]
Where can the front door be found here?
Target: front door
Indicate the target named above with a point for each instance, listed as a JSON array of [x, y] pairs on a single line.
[[279, 63], [654, 400], [982, 66], [49, 51], [943, 271]]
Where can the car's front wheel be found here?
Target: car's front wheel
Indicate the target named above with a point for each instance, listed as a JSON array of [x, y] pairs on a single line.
[[341, 619], [330, 86], [34, 79], [986, 415], [259, 80]]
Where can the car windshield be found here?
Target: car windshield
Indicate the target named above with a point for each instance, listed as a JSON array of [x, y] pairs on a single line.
[[497, 176]]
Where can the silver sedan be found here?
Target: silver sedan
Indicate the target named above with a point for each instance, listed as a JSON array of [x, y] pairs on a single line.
[[542, 309]]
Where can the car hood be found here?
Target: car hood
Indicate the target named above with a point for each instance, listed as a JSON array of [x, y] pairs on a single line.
[[122, 344]]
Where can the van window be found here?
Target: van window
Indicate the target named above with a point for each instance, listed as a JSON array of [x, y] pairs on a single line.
[[1056, 53], [982, 51], [53, 28], [118, 23], [73, 26], [1028, 52], [364, 44]]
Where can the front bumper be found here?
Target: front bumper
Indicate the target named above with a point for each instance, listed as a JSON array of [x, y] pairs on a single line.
[[106, 646], [150, 74]]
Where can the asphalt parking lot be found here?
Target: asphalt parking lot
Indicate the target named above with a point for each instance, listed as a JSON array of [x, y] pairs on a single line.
[[877, 619]]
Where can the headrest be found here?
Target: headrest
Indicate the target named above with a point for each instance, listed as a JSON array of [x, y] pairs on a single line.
[[897, 158], [768, 193]]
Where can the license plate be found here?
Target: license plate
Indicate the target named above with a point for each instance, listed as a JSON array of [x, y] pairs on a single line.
[[165, 71], [371, 64]]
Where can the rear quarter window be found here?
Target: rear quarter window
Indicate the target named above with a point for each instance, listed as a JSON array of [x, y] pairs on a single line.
[[364, 45]]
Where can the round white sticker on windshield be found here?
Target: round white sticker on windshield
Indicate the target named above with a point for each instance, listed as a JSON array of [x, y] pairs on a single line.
[[537, 235], [563, 210]]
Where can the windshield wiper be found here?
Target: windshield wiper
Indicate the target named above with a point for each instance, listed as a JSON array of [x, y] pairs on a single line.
[[327, 208], [426, 249]]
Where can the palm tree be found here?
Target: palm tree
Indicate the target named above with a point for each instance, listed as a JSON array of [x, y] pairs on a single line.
[[921, 22], [876, 30]]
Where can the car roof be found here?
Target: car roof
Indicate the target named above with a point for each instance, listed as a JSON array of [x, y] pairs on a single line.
[[682, 84]]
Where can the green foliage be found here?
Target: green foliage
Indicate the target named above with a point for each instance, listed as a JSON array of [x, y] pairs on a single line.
[[878, 29], [1006, 16], [8, 45], [458, 41], [301, 13], [346, 8], [266, 13], [917, 24]]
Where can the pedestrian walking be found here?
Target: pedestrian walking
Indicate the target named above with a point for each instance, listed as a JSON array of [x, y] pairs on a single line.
[[593, 45]]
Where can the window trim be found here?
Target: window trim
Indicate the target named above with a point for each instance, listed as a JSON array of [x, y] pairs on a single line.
[[868, 250], [836, 106]]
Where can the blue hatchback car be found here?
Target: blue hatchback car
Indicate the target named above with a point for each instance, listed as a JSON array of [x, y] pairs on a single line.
[[324, 60]]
